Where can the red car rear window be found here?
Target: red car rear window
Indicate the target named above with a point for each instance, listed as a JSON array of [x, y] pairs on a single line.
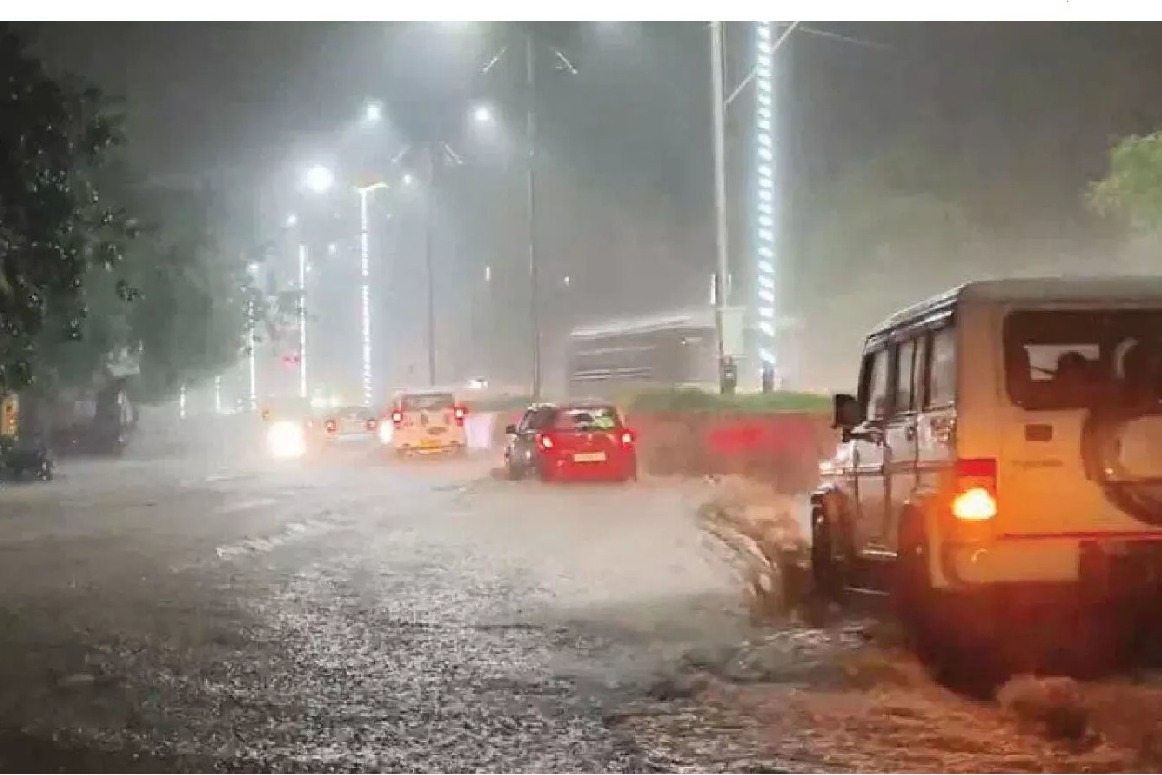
[[589, 418]]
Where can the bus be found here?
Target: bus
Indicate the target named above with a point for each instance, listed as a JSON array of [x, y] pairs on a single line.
[[663, 351]]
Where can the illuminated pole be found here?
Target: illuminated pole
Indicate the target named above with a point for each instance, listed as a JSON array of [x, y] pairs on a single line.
[[365, 193], [722, 253], [765, 206], [217, 395], [302, 320], [250, 344]]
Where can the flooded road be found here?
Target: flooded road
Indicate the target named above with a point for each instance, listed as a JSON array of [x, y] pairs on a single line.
[[354, 614]]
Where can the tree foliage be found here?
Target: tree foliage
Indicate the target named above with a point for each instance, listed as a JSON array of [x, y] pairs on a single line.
[[197, 294], [79, 279], [56, 227], [1133, 186]]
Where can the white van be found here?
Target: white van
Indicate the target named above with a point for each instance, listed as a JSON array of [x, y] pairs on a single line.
[[1001, 462], [425, 422]]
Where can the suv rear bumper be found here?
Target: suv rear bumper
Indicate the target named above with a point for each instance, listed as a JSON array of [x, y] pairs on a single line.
[[1097, 565]]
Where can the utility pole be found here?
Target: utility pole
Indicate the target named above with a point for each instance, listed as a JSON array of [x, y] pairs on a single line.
[[531, 132], [722, 274], [529, 41]]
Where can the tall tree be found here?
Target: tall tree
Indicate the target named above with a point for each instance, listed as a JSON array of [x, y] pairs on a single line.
[[56, 227], [1132, 188]]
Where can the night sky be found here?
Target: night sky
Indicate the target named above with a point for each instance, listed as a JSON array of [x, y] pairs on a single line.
[[1030, 109]]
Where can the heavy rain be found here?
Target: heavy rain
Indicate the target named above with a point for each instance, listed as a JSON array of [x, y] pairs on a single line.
[[580, 397]]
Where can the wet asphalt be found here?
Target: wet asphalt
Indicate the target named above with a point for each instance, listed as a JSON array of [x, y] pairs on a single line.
[[209, 612]]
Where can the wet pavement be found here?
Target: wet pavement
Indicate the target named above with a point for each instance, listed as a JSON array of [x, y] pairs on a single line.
[[188, 613]]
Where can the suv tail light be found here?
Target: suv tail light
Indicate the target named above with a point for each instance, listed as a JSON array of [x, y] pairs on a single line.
[[974, 495], [397, 418], [459, 412], [544, 441], [627, 438], [332, 426]]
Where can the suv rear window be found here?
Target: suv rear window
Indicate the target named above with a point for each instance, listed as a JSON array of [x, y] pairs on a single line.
[[1071, 359], [587, 418], [427, 402]]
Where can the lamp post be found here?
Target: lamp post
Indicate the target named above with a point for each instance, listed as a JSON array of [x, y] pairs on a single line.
[[722, 249], [562, 63]]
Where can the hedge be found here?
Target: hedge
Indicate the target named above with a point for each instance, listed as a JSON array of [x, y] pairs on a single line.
[[688, 400], [694, 400]]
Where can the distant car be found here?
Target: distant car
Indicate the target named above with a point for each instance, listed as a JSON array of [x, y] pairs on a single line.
[[349, 424], [426, 422], [575, 441]]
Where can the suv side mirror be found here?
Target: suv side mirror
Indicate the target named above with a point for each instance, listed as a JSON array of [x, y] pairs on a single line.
[[510, 430], [846, 412]]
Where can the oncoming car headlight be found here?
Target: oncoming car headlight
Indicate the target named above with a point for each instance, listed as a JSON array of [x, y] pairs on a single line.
[[286, 439]]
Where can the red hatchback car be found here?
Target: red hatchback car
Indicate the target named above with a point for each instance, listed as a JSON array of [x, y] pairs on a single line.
[[571, 442]]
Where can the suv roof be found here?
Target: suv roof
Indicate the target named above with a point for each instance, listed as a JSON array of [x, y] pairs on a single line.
[[1080, 288]]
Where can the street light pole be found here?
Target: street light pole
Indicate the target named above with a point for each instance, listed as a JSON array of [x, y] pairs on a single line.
[[531, 132], [722, 248]]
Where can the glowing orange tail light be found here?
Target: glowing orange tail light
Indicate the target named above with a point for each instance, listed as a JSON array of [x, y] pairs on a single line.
[[975, 493]]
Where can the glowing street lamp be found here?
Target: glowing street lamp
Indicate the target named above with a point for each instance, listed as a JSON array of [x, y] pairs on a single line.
[[372, 113], [482, 114], [319, 179], [408, 178]]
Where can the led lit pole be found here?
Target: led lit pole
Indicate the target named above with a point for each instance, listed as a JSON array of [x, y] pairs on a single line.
[[302, 320], [765, 207], [365, 193]]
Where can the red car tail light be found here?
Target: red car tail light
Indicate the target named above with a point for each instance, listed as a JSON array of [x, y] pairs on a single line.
[[627, 438], [545, 441], [332, 426], [397, 418], [459, 413]]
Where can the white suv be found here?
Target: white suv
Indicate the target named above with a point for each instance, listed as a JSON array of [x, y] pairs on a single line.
[[1001, 463]]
